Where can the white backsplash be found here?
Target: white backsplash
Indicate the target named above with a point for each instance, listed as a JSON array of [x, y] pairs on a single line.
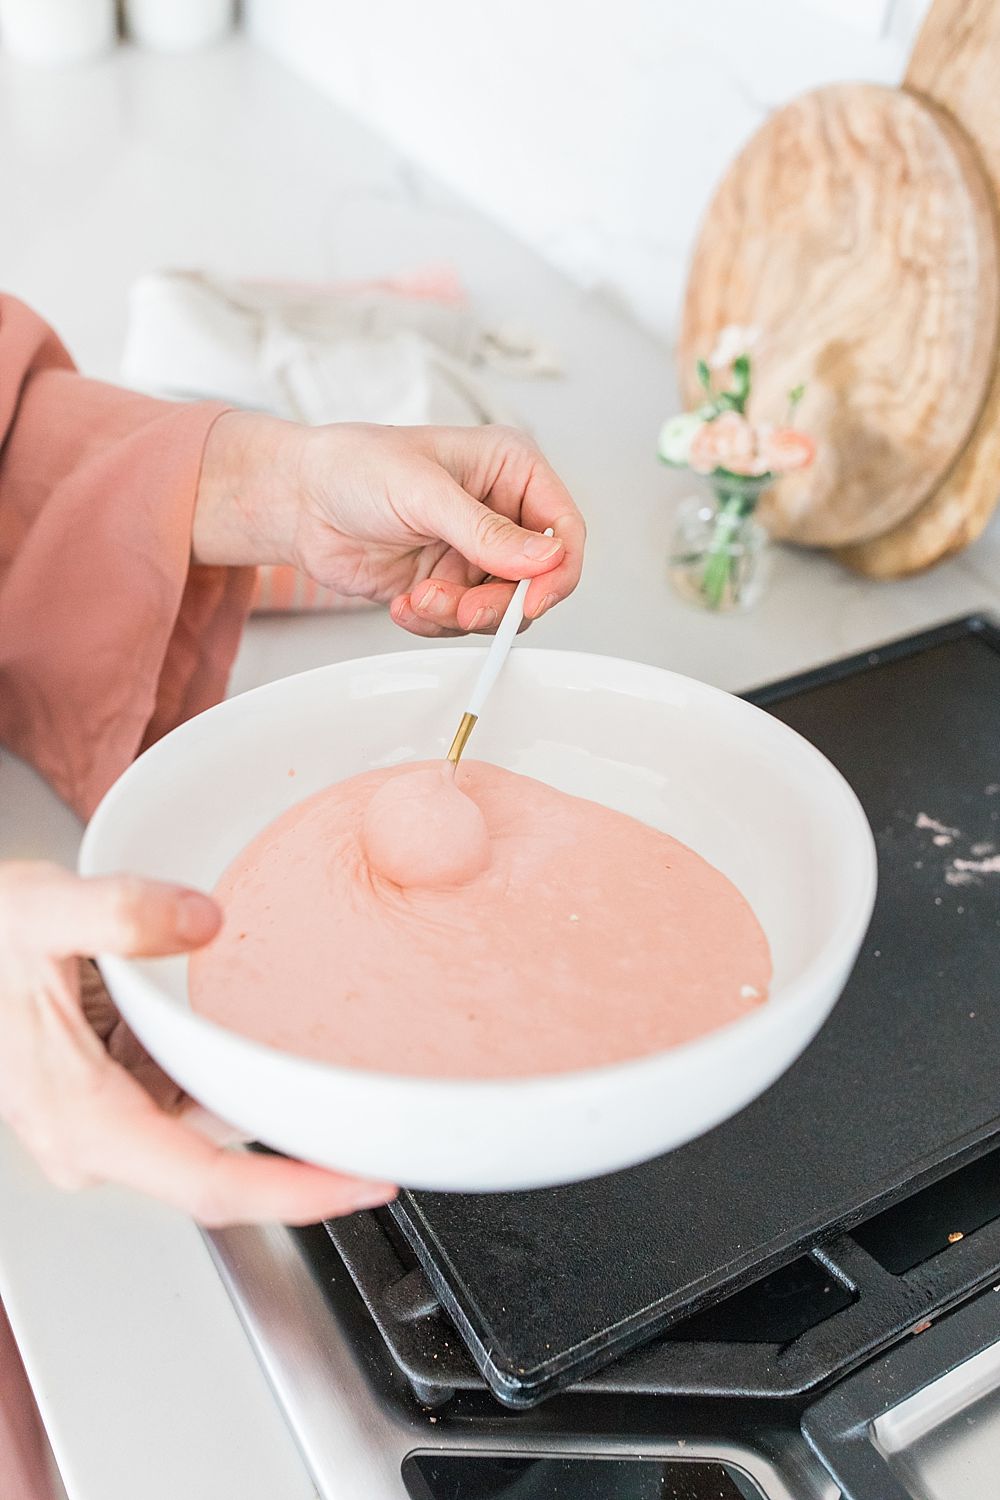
[[593, 129]]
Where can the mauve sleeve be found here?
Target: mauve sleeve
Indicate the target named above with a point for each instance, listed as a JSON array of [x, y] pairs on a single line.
[[109, 636]]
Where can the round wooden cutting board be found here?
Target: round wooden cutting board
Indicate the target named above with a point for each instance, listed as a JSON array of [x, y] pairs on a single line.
[[856, 232], [954, 66]]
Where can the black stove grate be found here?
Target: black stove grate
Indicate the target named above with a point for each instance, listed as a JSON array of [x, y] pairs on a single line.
[[781, 1338], [892, 1105]]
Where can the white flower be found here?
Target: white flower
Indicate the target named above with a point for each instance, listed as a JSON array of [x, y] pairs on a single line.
[[733, 340], [674, 443]]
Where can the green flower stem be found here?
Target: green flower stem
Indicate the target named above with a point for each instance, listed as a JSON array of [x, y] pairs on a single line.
[[719, 562], [735, 501]]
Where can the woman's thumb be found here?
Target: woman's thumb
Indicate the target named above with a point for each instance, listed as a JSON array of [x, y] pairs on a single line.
[[491, 541], [58, 913]]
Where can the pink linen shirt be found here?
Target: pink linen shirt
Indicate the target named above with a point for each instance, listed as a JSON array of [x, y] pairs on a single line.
[[109, 636]]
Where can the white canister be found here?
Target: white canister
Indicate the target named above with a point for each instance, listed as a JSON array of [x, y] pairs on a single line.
[[178, 25], [56, 32]]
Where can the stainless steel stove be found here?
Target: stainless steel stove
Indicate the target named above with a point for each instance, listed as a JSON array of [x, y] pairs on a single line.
[[365, 1435], [358, 1423], [802, 1305]]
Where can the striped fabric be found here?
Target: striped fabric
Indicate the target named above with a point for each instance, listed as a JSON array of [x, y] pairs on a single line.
[[287, 591]]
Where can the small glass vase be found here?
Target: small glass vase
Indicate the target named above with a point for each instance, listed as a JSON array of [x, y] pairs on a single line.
[[719, 554]]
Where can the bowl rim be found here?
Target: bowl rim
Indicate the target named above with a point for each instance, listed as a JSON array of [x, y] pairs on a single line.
[[845, 937]]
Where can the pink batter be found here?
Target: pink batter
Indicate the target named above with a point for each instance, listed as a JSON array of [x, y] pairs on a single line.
[[479, 926]]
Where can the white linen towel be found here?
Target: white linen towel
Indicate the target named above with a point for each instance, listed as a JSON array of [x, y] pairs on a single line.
[[402, 350]]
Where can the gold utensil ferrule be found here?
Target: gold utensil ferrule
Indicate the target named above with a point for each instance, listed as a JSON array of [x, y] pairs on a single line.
[[461, 739]]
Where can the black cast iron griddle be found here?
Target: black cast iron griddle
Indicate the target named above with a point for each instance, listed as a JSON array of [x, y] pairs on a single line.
[[899, 1087]]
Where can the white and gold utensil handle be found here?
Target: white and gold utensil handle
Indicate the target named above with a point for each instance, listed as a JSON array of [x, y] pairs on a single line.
[[490, 671]]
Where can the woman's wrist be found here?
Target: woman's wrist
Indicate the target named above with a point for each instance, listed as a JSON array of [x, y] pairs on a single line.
[[246, 507]]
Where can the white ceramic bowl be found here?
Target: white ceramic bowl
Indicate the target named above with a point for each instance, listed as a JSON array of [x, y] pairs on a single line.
[[740, 787]]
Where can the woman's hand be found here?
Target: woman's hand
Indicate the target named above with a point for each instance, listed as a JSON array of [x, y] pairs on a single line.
[[81, 1092], [431, 520]]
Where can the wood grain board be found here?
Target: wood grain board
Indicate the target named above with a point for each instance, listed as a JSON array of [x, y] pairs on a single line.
[[856, 230], [956, 65]]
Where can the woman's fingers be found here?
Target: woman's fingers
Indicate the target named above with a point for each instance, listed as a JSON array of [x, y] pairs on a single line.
[[404, 615], [91, 1122], [511, 478], [442, 606], [131, 1142], [85, 1118], [552, 588], [121, 1044], [527, 487], [50, 910], [481, 608], [459, 607]]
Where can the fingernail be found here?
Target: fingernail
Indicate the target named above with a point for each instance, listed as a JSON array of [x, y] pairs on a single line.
[[399, 607], [538, 548], [373, 1195], [197, 917], [484, 619], [546, 603], [430, 600]]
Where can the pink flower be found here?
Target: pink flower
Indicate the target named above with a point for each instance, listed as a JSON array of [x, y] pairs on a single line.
[[786, 448], [727, 442]]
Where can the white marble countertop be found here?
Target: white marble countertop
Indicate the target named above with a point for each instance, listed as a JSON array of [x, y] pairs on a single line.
[[223, 160]]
